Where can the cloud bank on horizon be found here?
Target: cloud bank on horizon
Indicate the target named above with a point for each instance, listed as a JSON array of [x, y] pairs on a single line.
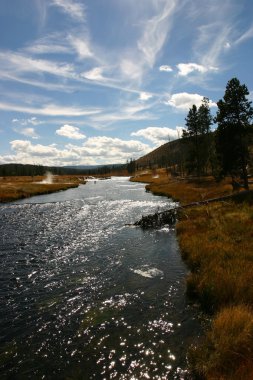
[[91, 82]]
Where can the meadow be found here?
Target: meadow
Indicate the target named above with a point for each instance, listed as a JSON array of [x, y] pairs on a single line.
[[17, 187]]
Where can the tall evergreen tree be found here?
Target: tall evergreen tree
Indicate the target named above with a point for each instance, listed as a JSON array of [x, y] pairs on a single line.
[[198, 123], [234, 118], [192, 132], [205, 121]]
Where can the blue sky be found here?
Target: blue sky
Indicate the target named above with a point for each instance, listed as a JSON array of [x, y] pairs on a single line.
[[103, 81]]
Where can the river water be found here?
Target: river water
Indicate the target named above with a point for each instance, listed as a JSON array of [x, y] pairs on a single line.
[[85, 296]]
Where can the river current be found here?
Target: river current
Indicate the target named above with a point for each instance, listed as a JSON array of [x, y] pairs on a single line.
[[86, 296]]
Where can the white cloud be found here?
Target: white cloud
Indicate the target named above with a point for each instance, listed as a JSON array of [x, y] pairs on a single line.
[[184, 101], [114, 149], [159, 135], [25, 146], [145, 96], [96, 150], [72, 8], [94, 74], [28, 132], [186, 68], [165, 68], [70, 132]]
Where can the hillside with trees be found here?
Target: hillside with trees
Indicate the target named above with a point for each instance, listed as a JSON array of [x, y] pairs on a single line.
[[227, 150]]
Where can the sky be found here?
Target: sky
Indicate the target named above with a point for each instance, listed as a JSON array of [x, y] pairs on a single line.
[[103, 81]]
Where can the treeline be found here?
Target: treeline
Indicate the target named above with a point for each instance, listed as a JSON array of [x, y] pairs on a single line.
[[27, 170], [34, 170]]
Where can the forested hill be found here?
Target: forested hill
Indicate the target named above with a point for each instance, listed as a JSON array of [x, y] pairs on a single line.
[[176, 154], [169, 154]]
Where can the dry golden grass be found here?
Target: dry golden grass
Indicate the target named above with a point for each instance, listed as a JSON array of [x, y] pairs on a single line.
[[217, 243], [184, 190], [227, 350], [13, 188]]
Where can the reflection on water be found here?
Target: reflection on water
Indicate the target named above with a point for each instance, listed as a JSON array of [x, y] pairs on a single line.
[[84, 296]]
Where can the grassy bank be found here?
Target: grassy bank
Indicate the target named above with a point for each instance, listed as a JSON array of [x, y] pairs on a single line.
[[217, 243], [184, 190], [14, 188]]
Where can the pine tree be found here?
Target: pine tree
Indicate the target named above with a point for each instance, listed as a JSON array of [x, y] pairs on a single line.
[[192, 132], [198, 123], [205, 121], [234, 118]]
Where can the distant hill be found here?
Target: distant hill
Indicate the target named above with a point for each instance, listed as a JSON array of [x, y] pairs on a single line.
[[170, 154], [174, 154]]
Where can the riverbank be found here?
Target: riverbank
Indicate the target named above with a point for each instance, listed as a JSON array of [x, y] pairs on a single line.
[[217, 243], [13, 188]]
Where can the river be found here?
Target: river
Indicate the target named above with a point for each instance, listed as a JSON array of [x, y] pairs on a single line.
[[86, 296]]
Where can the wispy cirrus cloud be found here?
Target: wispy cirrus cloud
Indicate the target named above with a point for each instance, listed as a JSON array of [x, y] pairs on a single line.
[[81, 45], [50, 110], [33, 121], [74, 9], [54, 43], [217, 36], [248, 34], [128, 112], [211, 26], [156, 31], [17, 62]]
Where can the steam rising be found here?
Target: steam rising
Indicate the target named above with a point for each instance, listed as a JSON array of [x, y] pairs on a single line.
[[49, 178]]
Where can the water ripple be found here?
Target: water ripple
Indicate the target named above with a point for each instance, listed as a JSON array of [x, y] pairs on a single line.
[[82, 293]]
